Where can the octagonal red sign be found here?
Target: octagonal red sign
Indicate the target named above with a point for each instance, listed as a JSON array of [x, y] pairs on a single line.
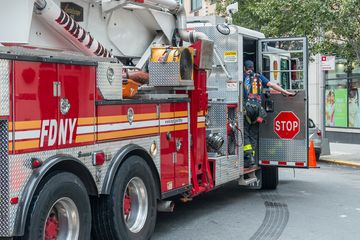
[[286, 125]]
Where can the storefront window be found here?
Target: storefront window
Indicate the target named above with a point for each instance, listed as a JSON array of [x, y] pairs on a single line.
[[354, 109], [342, 95], [336, 103], [342, 105]]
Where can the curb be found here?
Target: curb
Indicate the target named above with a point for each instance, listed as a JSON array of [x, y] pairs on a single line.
[[341, 162]]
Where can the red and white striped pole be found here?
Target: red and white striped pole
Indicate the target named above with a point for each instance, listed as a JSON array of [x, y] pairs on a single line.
[[70, 29]]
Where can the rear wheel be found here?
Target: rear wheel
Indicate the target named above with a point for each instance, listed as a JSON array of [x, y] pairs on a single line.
[[135, 204], [60, 210], [130, 210], [270, 177]]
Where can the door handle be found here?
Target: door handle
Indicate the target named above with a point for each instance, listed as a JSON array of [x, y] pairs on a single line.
[[56, 89], [178, 145], [174, 157], [168, 136]]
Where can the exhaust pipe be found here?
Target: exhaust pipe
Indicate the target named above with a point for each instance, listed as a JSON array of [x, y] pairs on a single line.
[[165, 206], [182, 29]]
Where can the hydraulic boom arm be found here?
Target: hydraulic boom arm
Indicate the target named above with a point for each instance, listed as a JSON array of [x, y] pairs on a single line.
[[105, 28]]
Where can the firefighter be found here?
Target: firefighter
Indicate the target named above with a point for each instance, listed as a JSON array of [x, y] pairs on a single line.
[[254, 112]]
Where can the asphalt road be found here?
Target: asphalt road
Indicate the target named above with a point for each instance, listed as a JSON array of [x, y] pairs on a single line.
[[319, 204]]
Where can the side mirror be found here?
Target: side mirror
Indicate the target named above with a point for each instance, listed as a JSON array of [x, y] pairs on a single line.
[[223, 28]]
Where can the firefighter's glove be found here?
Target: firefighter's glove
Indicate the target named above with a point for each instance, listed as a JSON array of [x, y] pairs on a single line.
[[262, 115], [260, 120]]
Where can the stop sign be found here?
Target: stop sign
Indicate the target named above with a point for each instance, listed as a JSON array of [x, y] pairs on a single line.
[[286, 125]]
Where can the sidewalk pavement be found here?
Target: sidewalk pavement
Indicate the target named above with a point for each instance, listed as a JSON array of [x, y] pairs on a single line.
[[343, 154]]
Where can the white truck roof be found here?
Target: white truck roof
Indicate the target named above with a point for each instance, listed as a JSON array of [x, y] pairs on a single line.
[[214, 20]]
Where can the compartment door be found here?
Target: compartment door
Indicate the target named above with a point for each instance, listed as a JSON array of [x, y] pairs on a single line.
[[35, 106], [181, 144], [76, 105], [283, 139], [167, 147]]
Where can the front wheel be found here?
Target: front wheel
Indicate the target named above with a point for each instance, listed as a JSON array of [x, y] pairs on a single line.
[[130, 210], [60, 210]]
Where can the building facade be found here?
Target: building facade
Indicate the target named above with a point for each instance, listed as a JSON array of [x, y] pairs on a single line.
[[199, 7]]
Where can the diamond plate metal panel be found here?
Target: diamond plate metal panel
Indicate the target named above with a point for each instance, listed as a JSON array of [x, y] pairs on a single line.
[[286, 150], [283, 150], [218, 173], [4, 180], [207, 52], [219, 170], [166, 74], [227, 169], [109, 81], [218, 87], [296, 104], [218, 80], [222, 90], [233, 167], [217, 117], [20, 167], [4, 87]]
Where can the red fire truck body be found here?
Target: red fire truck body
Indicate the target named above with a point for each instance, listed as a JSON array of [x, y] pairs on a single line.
[[78, 160], [59, 121]]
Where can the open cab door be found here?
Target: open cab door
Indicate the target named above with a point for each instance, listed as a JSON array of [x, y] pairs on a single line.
[[283, 139]]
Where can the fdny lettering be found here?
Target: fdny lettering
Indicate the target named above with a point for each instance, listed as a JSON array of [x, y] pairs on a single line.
[[61, 132]]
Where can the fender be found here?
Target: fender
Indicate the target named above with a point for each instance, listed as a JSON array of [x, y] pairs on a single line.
[[119, 157], [50, 164]]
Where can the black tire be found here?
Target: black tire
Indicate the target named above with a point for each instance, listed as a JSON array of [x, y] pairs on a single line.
[[270, 177], [109, 220], [61, 188]]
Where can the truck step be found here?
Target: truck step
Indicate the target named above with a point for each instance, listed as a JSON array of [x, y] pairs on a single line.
[[248, 179], [251, 169]]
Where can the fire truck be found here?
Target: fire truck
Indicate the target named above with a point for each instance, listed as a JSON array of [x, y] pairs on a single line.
[[111, 108]]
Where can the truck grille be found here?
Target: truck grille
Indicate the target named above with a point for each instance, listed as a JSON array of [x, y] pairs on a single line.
[[4, 179]]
